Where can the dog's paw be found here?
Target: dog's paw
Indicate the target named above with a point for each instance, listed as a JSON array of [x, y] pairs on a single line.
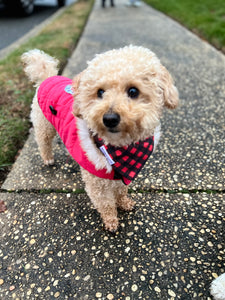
[[111, 224], [126, 204], [49, 162]]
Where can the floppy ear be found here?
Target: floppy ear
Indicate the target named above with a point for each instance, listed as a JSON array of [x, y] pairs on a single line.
[[76, 84], [170, 93]]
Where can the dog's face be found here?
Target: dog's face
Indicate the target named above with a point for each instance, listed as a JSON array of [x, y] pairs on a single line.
[[122, 93]]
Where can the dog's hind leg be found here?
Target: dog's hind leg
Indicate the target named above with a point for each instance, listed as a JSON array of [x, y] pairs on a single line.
[[44, 133], [44, 140]]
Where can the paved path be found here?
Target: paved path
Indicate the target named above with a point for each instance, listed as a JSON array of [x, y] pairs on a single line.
[[53, 244]]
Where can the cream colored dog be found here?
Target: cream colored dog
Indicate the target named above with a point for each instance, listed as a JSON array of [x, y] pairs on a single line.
[[119, 99], [217, 288]]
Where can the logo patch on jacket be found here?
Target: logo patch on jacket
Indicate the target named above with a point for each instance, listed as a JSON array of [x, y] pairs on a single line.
[[69, 89]]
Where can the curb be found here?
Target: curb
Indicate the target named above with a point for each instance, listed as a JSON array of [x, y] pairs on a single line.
[[33, 32]]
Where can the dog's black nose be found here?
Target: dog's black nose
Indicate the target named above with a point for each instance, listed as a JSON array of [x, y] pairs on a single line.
[[111, 120]]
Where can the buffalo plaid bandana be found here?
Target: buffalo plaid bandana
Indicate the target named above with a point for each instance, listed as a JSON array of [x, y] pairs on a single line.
[[127, 161]]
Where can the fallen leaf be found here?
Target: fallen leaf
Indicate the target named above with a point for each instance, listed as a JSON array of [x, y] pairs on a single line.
[[2, 206]]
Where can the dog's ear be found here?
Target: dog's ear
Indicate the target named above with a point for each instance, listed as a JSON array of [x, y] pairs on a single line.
[[76, 84], [170, 93]]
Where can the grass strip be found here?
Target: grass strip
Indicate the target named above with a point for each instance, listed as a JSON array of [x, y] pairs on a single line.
[[58, 39], [205, 18]]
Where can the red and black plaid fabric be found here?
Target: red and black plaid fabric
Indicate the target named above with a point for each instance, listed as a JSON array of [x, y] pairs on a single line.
[[128, 161]]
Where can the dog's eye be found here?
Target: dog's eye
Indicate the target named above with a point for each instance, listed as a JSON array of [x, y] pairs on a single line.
[[133, 92], [100, 93]]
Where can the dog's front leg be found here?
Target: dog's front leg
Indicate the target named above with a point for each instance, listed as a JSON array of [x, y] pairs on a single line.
[[102, 194], [123, 201]]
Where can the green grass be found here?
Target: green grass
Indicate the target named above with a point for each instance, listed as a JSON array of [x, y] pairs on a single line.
[[204, 17], [58, 39]]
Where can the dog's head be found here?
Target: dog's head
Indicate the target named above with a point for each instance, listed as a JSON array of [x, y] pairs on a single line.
[[121, 94]]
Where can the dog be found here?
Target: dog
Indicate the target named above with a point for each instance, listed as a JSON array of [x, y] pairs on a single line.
[[112, 121], [217, 288]]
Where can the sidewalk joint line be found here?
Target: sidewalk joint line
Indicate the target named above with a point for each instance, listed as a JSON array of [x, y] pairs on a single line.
[[178, 191], [43, 191], [130, 191]]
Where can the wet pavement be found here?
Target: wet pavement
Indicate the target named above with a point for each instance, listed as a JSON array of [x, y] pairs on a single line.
[[53, 243]]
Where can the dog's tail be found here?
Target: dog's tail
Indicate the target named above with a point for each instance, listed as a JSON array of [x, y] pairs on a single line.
[[38, 65]]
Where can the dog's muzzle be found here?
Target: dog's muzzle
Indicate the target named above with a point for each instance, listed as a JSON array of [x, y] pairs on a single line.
[[111, 120]]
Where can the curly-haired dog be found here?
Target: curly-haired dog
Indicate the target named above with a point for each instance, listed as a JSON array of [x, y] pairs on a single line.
[[110, 124], [217, 288]]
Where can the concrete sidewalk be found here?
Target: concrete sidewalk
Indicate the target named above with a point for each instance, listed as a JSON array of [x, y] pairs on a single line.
[[53, 244]]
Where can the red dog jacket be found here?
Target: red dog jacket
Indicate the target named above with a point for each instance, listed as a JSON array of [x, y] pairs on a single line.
[[56, 102]]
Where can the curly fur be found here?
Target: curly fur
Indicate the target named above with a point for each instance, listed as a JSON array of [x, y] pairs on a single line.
[[43, 64], [114, 72], [217, 288]]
